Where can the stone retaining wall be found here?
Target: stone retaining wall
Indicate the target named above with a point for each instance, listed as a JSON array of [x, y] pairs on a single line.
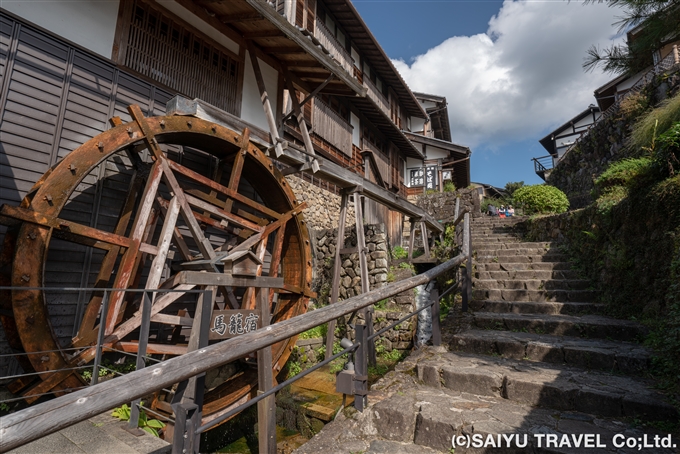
[[323, 207], [442, 205]]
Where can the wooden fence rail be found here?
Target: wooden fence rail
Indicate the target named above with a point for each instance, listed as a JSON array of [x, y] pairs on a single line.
[[22, 427]]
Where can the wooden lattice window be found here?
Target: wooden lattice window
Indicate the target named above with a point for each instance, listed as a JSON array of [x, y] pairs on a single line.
[[167, 51]]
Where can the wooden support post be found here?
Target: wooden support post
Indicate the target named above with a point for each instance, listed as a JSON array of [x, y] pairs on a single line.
[[266, 104], [412, 238], [193, 393], [300, 117], [361, 368], [335, 285], [363, 266], [426, 240], [436, 328], [266, 408], [141, 359]]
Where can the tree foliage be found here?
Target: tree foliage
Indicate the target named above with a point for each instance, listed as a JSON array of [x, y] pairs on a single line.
[[541, 198], [661, 22], [512, 186]]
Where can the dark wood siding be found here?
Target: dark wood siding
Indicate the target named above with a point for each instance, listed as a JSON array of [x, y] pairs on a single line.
[[54, 98]]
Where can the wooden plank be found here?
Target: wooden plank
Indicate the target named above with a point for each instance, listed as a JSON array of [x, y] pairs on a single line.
[[222, 189], [203, 278], [243, 223], [129, 260], [264, 97], [163, 246], [37, 421], [266, 408], [279, 223], [175, 320], [300, 117], [412, 239], [152, 349], [335, 285], [79, 230], [426, 241]]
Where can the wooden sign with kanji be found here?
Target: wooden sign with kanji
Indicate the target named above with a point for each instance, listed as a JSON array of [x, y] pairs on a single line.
[[232, 323]]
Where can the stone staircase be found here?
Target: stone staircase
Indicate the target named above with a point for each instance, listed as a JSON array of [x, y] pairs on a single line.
[[535, 357]]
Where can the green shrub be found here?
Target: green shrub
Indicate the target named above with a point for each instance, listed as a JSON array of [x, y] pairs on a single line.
[[449, 187], [541, 198], [667, 152], [399, 253], [629, 173], [511, 187], [655, 123]]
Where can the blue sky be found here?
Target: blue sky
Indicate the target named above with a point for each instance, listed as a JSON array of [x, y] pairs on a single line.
[[510, 70]]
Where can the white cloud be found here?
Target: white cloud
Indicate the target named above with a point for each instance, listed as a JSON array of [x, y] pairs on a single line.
[[520, 79]]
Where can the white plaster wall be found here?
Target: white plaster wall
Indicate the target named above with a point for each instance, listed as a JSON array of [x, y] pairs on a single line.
[[251, 108], [417, 124], [435, 153], [427, 104], [89, 23], [356, 132], [198, 23], [412, 163], [626, 84]]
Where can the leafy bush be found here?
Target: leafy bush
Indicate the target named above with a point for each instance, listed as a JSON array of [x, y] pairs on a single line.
[[655, 123], [667, 152], [541, 198], [628, 173], [399, 253], [151, 426], [449, 187]]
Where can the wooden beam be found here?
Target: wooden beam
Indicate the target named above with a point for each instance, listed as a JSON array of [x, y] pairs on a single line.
[[337, 263], [220, 279], [264, 97], [243, 17]]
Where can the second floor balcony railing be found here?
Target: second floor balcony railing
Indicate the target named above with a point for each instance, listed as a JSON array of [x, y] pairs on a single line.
[[332, 127], [376, 96], [337, 50], [382, 160]]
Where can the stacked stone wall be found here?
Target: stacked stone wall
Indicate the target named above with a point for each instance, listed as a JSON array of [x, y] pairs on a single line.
[[442, 205], [323, 206]]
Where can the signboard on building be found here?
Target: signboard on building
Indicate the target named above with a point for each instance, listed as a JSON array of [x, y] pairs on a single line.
[[232, 323], [431, 181], [446, 175], [417, 177]]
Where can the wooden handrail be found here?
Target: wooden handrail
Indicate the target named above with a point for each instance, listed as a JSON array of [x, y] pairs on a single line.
[[24, 426]]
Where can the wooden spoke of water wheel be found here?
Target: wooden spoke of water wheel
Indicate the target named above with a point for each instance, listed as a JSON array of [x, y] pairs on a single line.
[[186, 203]]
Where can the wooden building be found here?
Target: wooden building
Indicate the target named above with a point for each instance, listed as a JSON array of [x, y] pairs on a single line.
[[443, 161], [306, 72]]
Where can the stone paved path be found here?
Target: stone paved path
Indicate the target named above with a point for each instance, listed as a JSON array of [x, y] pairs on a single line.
[[534, 358], [101, 434]]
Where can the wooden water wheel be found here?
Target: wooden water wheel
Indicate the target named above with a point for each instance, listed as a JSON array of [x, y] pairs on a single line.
[[175, 217]]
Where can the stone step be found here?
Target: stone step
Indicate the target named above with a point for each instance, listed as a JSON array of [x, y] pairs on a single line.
[[552, 386], [476, 240], [617, 357], [519, 252], [527, 274], [532, 284], [537, 296], [589, 326], [537, 266], [513, 245], [553, 257], [528, 307]]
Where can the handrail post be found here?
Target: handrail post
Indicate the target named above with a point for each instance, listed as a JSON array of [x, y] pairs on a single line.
[[361, 367], [100, 341], [436, 328], [266, 408], [141, 359], [467, 272], [186, 422]]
